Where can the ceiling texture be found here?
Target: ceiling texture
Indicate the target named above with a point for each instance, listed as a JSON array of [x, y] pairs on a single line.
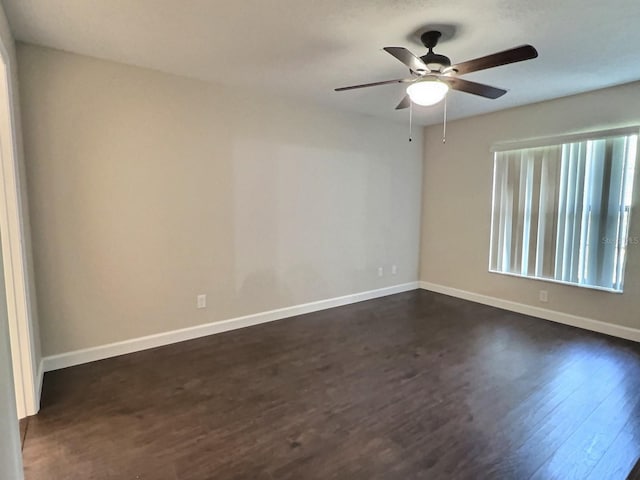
[[303, 49]]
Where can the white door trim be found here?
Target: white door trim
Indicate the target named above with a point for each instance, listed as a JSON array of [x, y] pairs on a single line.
[[14, 253]]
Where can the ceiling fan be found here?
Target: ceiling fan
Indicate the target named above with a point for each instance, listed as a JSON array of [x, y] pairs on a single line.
[[432, 75]]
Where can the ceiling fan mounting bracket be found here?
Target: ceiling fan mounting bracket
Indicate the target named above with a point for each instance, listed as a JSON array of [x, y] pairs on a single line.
[[430, 38]]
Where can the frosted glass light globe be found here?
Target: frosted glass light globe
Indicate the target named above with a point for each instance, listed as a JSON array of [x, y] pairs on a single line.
[[427, 92]]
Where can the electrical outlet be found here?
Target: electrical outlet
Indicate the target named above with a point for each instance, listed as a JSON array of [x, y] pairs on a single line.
[[201, 301], [394, 269], [543, 296], [380, 271]]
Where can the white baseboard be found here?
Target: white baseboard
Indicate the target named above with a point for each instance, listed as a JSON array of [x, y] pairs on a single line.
[[87, 355], [559, 317]]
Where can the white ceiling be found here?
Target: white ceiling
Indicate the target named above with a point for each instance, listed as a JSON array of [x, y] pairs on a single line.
[[305, 48]]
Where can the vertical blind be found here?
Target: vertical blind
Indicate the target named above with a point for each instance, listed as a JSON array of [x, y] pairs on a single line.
[[561, 212]]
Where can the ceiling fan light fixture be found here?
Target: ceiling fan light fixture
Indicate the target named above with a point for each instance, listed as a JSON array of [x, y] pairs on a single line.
[[427, 92]]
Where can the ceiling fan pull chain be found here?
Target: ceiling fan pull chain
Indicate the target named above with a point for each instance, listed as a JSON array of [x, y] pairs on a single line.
[[444, 123], [410, 119]]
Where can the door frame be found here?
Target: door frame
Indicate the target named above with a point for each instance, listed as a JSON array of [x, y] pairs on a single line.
[[27, 375]]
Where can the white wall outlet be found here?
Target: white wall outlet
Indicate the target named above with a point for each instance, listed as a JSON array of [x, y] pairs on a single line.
[[202, 301], [394, 269], [543, 296], [380, 271]]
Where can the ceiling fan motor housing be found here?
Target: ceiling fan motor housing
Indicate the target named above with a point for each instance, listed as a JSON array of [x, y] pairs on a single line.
[[434, 60]]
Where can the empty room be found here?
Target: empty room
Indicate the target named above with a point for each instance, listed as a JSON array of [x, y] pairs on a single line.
[[319, 240]]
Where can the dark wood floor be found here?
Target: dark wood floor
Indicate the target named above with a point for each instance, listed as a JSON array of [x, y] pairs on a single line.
[[412, 386]]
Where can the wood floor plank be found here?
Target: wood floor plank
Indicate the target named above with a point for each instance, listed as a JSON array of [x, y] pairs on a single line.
[[619, 459], [411, 386], [635, 471], [584, 448], [526, 436]]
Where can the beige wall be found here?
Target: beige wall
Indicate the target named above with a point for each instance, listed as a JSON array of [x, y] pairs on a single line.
[[457, 203], [147, 189]]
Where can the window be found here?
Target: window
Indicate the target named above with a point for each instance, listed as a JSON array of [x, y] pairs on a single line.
[[561, 208]]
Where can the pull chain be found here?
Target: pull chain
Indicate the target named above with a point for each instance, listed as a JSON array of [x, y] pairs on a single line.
[[410, 119], [444, 123]]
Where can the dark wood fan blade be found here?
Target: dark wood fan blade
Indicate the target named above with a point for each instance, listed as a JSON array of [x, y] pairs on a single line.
[[518, 54], [386, 82], [404, 103], [408, 58], [462, 85]]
